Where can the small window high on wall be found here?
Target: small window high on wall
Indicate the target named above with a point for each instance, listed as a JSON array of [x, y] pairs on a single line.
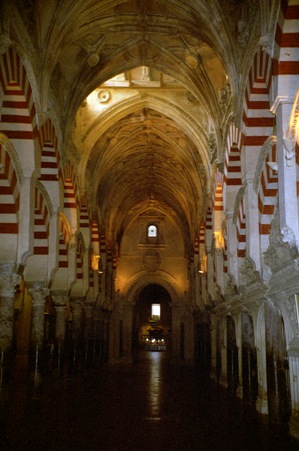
[[152, 231], [156, 310]]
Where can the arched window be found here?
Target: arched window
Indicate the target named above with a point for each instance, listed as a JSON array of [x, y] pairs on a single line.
[[152, 231]]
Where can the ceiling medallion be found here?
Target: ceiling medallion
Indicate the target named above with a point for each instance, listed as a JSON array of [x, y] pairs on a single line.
[[103, 96], [192, 61], [93, 59], [151, 261]]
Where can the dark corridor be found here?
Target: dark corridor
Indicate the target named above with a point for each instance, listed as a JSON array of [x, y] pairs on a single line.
[[150, 405]]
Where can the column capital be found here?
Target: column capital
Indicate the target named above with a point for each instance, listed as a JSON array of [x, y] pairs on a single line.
[[60, 297], [38, 293]]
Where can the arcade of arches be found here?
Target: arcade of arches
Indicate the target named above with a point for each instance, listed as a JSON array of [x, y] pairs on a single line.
[[149, 154]]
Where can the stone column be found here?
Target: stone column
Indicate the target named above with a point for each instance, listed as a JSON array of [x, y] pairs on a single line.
[[293, 353], [213, 371], [60, 301], [76, 306], [96, 346], [76, 332], [38, 294], [262, 397], [176, 332], [127, 329], [8, 280], [88, 334], [106, 334]]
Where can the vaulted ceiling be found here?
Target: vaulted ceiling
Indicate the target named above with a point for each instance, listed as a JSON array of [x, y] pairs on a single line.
[[165, 76]]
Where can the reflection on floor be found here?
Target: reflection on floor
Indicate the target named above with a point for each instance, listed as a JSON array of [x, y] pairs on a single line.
[[151, 405]]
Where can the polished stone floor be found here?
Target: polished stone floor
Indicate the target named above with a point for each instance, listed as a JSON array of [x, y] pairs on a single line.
[[148, 406]]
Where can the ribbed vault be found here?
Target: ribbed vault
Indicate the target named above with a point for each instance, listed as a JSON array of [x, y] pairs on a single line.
[[149, 143]]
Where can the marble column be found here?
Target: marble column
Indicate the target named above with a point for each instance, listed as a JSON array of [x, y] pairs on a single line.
[[293, 353], [38, 294]]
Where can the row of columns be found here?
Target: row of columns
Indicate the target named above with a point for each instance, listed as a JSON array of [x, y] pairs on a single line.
[[221, 346], [89, 341]]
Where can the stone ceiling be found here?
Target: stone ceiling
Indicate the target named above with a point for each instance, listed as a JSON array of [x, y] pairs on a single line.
[[152, 134]]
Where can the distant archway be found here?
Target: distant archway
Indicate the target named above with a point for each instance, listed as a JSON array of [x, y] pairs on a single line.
[[146, 323]]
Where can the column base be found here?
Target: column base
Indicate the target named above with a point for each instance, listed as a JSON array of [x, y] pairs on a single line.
[[240, 392], [294, 426], [262, 405]]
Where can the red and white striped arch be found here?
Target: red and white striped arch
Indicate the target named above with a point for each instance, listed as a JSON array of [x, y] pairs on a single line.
[[268, 189], [84, 222], [95, 237], [64, 239], [79, 258], [257, 117], [218, 201], [91, 269], [232, 160], [258, 123], [18, 118], [9, 202], [70, 201], [286, 54], [41, 225], [241, 228], [50, 158]]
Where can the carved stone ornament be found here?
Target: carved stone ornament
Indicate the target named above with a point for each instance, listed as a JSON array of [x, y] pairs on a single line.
[[282, 249], [248, 273], [103, 96], [151, 261], [93, 59], [231, 288]]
